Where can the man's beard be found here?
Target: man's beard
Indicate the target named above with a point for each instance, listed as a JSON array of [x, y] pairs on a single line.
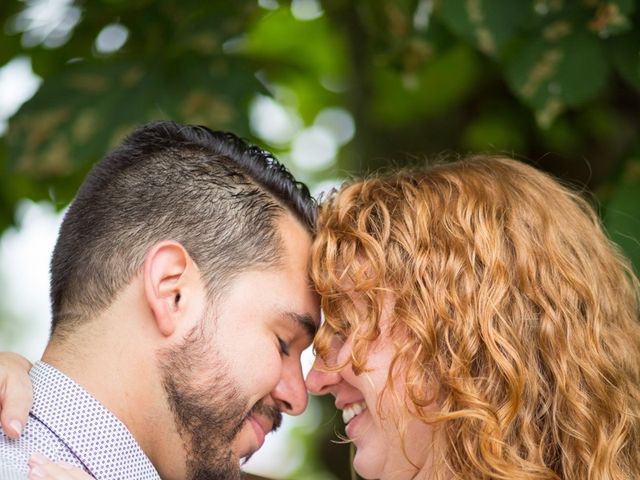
[[208, 408]]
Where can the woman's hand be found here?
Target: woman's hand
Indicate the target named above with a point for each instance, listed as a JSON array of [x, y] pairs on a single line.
[[16, 393], [41, 468]]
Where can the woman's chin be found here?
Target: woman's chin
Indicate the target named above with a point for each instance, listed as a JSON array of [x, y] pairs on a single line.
[[366, 467]]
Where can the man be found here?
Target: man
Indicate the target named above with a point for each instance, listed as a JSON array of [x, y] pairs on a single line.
[[181, 305]]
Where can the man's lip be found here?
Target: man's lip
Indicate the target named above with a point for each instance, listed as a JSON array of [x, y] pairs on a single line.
[[260, 431]]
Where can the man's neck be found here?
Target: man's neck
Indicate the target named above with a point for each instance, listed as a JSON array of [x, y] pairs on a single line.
[[119, 370], [102, 366]]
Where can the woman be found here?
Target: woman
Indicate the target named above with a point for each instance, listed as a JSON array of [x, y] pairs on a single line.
[[478, 325]]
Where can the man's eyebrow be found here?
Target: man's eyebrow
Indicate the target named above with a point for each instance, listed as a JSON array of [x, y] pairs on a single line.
[[304, 321]]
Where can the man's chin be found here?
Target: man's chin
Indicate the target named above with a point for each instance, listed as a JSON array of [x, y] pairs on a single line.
[[229, 469], [244, 459], [241, 454], [230, 474]]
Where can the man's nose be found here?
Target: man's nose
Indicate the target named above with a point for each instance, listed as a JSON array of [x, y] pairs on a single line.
[[291, 393], [320, 381]]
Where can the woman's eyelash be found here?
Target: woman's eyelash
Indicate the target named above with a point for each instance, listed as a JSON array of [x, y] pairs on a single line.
[[283, 346]]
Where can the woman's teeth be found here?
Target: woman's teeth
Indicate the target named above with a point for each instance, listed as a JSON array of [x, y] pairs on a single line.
[[352, 410]]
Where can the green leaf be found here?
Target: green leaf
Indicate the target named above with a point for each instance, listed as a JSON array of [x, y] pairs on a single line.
[[6, 201], [309, 45], [308, 69], [625, 54], [9, 48], [550, 75], [431, 91], [78, 115], [10, 45], [563, 139], [494, 131], [487, 24], [612, 17], [622, 216]]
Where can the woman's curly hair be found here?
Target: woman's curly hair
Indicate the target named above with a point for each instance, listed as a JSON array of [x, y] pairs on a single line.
[[513, 312]]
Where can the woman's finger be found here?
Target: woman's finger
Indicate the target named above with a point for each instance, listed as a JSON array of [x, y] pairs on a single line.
[[41, 468], [16, 393]]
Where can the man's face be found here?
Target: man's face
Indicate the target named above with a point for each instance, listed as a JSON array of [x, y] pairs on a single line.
[[237, 369]]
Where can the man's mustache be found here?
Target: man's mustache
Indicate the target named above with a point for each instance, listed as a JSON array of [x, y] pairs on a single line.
[[269, 411]]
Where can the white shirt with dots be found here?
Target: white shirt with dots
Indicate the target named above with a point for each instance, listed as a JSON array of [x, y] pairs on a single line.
[[66, 424]]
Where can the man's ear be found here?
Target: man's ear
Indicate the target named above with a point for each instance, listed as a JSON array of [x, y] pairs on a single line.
[[167, 272]]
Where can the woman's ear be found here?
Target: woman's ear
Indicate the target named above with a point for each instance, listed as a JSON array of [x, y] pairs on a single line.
[[167, 272]]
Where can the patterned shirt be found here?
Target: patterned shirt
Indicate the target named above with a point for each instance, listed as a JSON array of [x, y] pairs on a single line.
[[67, 424]]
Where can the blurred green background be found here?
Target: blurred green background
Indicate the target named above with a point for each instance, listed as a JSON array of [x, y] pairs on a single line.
[[335, 88]]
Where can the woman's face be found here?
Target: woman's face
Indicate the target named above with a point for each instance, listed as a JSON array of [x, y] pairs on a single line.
[[374, 431]]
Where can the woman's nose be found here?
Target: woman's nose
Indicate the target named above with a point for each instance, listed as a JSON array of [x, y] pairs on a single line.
[[321, 381]]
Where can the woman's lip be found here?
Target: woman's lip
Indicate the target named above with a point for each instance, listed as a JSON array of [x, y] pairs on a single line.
[[260, 434], [349, 429]]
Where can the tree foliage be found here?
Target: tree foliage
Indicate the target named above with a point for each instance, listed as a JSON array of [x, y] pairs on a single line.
[[553, 82]]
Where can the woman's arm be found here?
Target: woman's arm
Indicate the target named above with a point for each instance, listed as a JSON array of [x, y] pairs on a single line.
[[16, 393]]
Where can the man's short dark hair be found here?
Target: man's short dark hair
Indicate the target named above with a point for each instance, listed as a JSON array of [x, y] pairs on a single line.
[[210, 191]]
